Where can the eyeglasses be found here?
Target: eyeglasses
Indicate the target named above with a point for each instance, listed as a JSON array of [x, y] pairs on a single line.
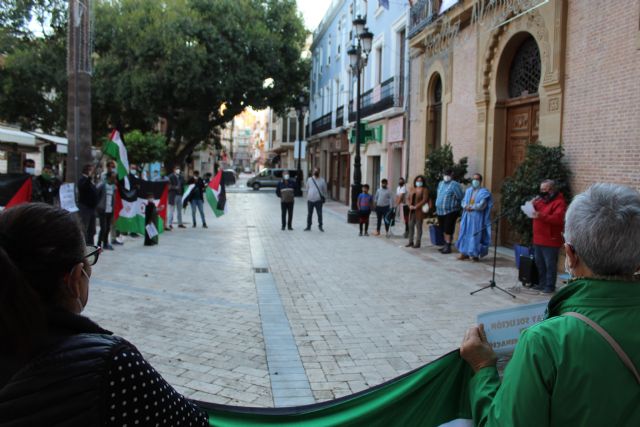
[[92, 254]]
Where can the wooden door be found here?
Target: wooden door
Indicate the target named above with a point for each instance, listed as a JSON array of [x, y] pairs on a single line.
[[522, 129], [334, 181], [523, 120]]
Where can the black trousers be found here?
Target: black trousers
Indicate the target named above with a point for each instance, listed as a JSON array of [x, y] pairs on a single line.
[[381, 211], [105, 228], [286, 208], [318, 207], [88, 219]]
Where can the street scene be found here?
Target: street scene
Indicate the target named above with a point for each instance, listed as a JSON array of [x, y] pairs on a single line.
[[319, 213], [357, 311]]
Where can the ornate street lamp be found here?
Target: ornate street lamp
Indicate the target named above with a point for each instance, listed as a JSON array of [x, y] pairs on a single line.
[[358, 55], [301, 110]]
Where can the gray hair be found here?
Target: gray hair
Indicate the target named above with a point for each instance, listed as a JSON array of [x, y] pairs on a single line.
[[551, 183], [603, 226]]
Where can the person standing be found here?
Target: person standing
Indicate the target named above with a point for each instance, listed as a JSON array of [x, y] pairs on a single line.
[[382, 201], [87, 202], [475, 226], [548, 224], [176, 187], [104, 208], [197, 199], [48, 187], [417, 199], [448, 205], [286, 191], [316, 196], [402, 206], [151, 235], [365, 202]]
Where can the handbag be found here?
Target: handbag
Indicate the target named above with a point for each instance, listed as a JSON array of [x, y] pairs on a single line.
[[322, 199]]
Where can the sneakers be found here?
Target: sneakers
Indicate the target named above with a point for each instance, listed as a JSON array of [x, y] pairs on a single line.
[[115, 242], [321, 229], [446, 249]]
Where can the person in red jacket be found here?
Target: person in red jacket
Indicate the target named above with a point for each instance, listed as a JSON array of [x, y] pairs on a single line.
[[548, 224]]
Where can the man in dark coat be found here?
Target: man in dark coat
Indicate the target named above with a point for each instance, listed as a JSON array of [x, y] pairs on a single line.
[[87, 202]]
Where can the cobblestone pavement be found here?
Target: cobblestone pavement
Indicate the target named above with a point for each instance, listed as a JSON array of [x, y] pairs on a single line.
[[243, 313]]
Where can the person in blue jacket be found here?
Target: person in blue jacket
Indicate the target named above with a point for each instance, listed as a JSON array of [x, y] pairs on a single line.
[[475, 227]]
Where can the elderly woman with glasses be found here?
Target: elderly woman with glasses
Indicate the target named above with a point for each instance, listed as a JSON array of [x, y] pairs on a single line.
[[56, 366], [580, 365]]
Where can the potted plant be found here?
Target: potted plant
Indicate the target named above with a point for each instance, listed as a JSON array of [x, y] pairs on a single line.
[[438, 161], [540, 163]]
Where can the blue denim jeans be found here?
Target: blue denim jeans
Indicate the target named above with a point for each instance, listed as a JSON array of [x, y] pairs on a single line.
[[547, 264], [199, 204]]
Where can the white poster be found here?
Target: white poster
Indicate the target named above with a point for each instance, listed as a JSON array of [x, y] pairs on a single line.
[[68, 197], [303, 148]]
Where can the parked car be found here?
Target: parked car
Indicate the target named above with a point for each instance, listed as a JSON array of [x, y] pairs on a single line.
[[269, 178], [247, 169]]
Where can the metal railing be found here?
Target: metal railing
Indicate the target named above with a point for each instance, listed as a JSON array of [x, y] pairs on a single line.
[[423, 13], [370, 105], [322, 124]]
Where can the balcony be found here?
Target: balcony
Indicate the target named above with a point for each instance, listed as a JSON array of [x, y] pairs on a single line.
[[340, 116], [423, 13], [322, 124], [375, 100]]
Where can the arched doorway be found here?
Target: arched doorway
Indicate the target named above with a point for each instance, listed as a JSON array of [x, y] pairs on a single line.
[[434, 115], [523, 103]]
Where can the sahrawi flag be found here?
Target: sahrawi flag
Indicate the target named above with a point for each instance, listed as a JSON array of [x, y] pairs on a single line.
[[15, 188], [130, 204], [216, 195], [434, 395], [115, 149]]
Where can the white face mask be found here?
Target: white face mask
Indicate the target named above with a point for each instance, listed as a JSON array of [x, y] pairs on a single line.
[[286, 177], [30, 171], [177, 171], [447, 178], [419, 184]]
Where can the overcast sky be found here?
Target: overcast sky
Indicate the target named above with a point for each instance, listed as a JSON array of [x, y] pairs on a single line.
[[313, 11]]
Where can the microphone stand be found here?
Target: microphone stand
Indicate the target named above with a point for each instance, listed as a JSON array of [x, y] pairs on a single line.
[[492, 282]]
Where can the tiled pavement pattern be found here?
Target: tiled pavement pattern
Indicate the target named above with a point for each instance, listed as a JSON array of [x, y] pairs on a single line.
[[360, 310]]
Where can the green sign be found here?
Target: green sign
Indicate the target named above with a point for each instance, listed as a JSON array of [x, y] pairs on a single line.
[[368, 133]]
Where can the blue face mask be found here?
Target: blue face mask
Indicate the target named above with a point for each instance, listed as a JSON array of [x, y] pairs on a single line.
[[475, 183]]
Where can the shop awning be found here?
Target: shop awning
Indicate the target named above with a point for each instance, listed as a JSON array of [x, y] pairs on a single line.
[[61, 142], [15, 136]]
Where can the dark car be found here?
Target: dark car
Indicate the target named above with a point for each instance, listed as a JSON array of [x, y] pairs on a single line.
[[269, 178]]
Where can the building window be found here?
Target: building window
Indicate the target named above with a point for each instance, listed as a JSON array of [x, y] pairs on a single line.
[[401, 64], [434, 130], [378, 65], [524, 73], [293, 123], [285, 132]]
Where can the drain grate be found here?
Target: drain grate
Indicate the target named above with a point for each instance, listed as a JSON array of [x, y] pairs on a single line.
[[261, 270]]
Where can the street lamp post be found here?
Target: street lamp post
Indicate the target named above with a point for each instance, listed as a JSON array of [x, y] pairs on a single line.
[[301, 109], [358, 55]]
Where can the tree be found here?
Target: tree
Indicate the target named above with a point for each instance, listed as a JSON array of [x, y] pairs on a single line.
[[33, 64], [143, 148], [180, 61], [540, 163]]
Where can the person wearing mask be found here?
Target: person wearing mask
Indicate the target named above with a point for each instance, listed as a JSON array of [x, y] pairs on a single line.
[[402, 206], [548, 223], [417, 198], [365, 203], [176, 187], [48, 187], [382, 201], [87, 202], [133, 171], [579, 366], [197, 198], [475, 227], [448, 206], [316, 196], [106, 192], [156, 176], [286, 192], [58, 367]]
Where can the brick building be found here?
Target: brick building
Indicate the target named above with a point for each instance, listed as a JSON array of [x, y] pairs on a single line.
[[491, 77]]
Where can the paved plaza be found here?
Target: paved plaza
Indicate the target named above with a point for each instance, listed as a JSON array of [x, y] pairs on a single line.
[[243, 313]]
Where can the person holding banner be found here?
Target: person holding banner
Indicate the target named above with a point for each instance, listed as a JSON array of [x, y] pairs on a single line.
[[57, 366], [580, 365]]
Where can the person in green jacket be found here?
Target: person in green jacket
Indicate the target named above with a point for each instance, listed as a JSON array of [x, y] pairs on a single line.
[[563, 371]]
